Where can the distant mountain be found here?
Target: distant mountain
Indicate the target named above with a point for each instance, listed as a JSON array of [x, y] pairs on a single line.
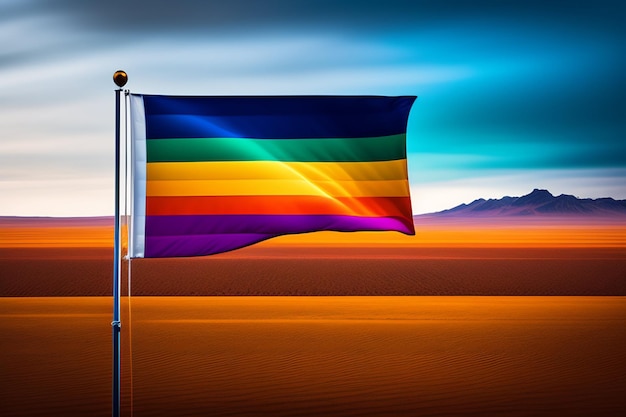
[[539, 202]]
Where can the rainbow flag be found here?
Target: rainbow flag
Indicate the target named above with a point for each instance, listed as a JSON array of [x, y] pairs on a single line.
[[213, 174]]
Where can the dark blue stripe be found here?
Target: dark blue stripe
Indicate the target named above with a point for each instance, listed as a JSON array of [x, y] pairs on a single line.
[[275, 117]]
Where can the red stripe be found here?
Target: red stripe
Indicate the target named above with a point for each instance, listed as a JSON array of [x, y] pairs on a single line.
[[355, 206]]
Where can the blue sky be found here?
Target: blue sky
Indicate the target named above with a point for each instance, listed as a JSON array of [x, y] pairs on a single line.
[[513, 95]]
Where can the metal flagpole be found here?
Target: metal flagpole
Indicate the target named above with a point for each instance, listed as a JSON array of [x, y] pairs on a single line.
[[120, 78]]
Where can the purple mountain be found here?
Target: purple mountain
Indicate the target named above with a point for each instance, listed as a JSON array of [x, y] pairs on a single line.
[[539, 202]]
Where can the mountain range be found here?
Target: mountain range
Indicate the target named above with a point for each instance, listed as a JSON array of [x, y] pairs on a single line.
[[538, 202]]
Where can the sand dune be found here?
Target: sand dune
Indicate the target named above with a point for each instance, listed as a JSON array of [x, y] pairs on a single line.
[[312, 356], [323, 271], [448, 256], [321, 356]]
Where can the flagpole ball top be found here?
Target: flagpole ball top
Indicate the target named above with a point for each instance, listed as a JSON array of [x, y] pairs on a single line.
[[120, 78]]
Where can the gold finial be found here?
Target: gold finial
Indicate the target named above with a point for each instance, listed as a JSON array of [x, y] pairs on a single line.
[[120, 78]]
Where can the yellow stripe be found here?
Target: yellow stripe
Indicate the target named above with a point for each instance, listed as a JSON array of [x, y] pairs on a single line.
[[394, 188], [274, 170]]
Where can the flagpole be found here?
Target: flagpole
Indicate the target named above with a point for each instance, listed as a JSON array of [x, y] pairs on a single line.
[[120, 78]]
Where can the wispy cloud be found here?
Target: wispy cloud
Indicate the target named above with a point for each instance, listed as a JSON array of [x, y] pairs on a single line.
[[509, 92]]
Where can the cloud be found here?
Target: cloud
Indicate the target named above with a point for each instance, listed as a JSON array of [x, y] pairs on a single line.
[[126, 16], [296, 65], [503, 86], [83, 196]]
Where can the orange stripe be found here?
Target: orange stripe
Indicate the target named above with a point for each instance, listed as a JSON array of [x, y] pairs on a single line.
[[359, 206], [270, 188]]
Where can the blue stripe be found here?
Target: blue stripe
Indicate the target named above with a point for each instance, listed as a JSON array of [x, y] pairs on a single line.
[[276, 117]]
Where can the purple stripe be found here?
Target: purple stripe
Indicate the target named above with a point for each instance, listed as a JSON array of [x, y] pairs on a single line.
[[268, 224], [205, 235], [198, 245]]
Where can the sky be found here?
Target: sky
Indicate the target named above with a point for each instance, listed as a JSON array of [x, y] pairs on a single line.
[[512, 95]]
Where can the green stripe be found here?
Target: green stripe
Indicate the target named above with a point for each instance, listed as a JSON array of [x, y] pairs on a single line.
[[385, 148]]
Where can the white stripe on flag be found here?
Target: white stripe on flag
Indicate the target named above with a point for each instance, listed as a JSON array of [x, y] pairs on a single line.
[[139, 160]]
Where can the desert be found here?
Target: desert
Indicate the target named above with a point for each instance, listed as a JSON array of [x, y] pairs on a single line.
[[466, 318]]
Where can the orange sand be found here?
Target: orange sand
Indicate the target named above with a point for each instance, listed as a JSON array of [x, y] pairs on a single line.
[[301, 270], [318, 356], [56, 232], [322, 356]]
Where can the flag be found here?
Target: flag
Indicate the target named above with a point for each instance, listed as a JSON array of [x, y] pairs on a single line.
[[213, 174]]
